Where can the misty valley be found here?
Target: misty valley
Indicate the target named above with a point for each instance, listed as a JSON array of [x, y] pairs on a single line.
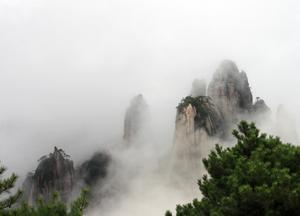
[[135, 175], [149, 108]]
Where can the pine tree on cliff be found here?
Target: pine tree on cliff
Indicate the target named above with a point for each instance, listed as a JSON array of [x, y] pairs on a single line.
[[260, 175], [6, 185]]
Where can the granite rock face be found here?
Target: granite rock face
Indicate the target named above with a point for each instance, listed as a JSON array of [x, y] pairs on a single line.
[[135, 118], [197, 119], [202, 112], [260, 107], [55, 172], [94, 170], [201, 118], [230, 91]]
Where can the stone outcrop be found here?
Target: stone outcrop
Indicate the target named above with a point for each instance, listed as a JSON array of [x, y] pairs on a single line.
[[135, 118], [94, 170], [260, 108], [55, 172], [201, 117], [197, 118], [202, 112], [230, 91]]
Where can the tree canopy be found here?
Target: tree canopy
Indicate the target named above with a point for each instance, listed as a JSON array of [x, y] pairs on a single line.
[[260, 175], [5, 186], [54, 207]]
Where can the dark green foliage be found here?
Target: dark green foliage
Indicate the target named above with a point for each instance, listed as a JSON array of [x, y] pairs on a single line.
[[196, 102], [54, 207], [5, 186], [168, 213], [79, 204], [207, 115], [199, 104], [258, 176]]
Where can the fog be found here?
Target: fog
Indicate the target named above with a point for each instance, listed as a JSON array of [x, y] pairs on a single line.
[[68, 70]]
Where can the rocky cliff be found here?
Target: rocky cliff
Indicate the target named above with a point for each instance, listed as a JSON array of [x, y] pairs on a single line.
[[200, 113], [135, 118], [197, 119], [55, 172], [201, 117], [94, 170], [260, 107], [230, 91]]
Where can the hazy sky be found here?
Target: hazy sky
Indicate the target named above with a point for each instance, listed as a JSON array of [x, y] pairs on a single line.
[[69, 67]]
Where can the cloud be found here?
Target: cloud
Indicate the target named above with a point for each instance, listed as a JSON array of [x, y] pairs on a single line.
[[68, 69]]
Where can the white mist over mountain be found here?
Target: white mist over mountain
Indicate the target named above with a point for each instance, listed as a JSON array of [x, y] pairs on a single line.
[[68, 70]]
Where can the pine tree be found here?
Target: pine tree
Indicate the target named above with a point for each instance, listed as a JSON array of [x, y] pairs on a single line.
[[260, 175], [6, 185], [53, 207]]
